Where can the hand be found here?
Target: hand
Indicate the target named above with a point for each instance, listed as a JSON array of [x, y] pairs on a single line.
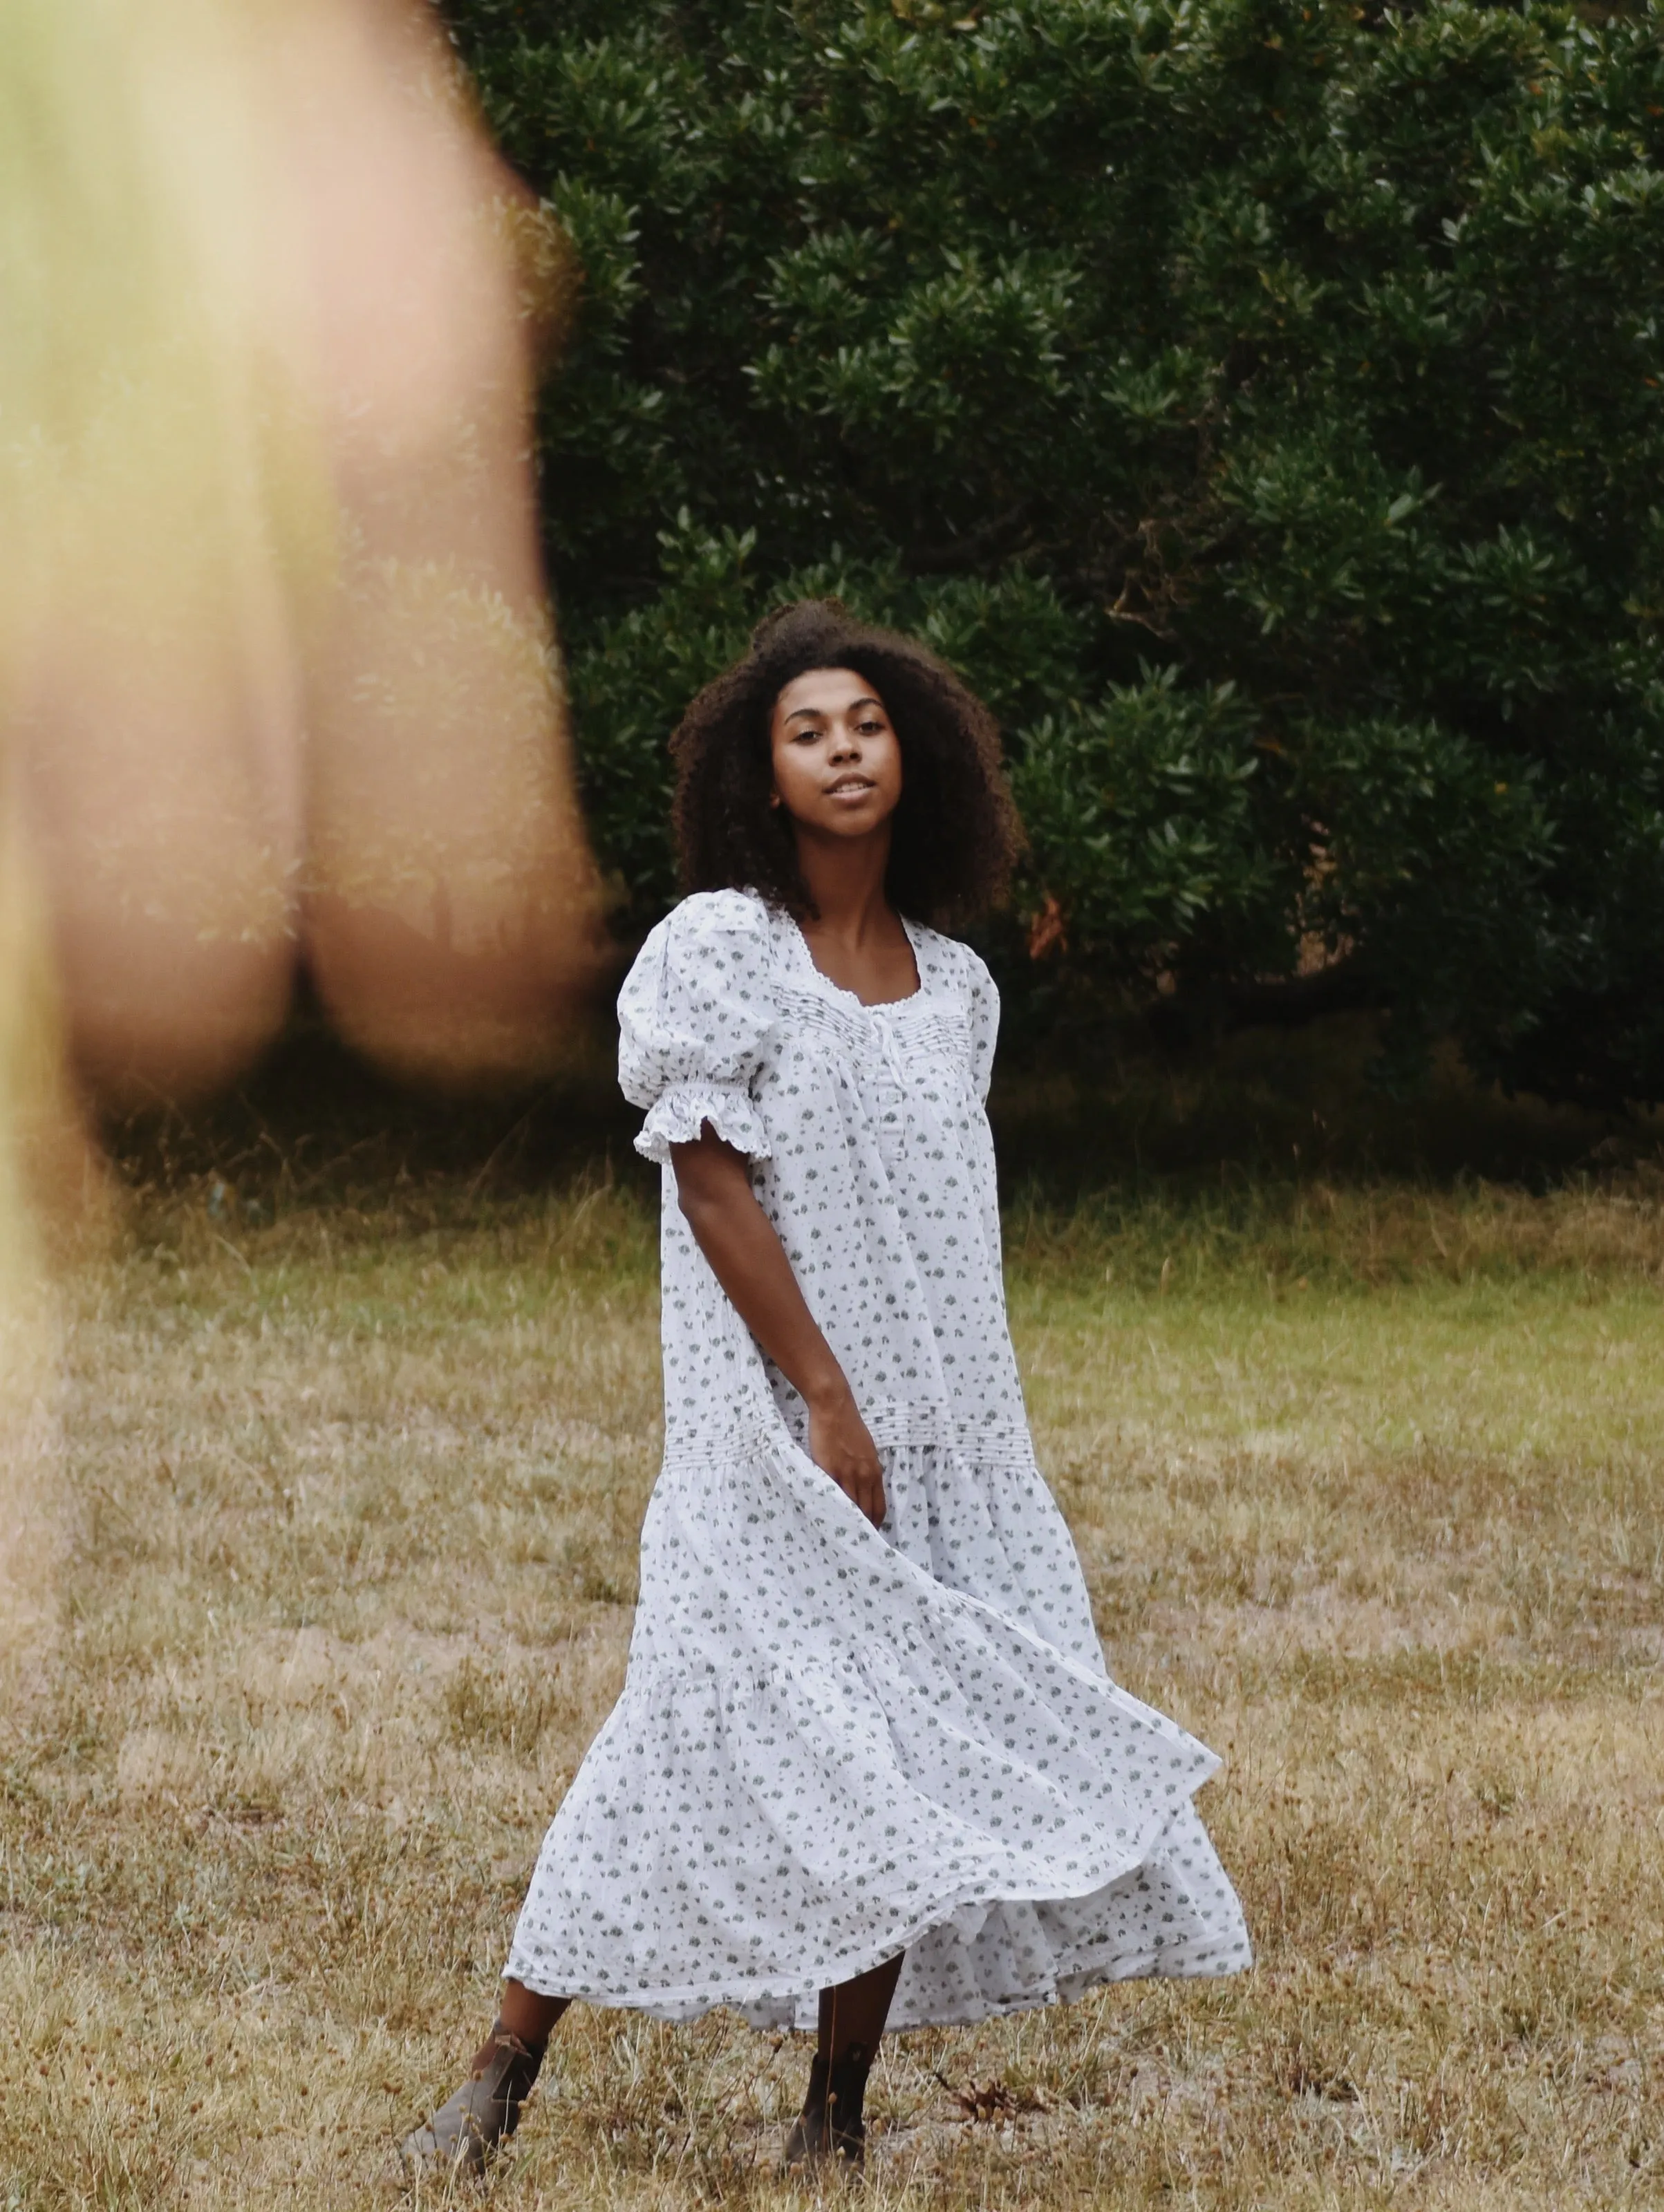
[[840, 1446]]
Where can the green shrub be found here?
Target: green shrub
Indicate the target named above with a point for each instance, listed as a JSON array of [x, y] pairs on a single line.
[[1261, 402]]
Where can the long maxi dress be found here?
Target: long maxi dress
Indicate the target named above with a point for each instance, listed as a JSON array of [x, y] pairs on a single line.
[[836, 1742]]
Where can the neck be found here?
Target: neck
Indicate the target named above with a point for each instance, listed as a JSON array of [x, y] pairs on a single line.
[[845, 877]]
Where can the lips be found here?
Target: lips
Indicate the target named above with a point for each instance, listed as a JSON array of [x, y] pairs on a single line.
[[848, 787]]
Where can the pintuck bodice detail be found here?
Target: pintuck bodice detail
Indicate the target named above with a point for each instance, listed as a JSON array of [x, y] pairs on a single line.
[[834, 1742]]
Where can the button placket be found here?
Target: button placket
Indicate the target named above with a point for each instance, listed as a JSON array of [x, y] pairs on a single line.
[[887, 1091]]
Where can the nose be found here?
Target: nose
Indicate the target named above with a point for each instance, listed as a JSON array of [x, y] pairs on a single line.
[[846, 744]]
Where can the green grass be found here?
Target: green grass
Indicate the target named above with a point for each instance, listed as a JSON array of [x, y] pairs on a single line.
[[1366, 1481]]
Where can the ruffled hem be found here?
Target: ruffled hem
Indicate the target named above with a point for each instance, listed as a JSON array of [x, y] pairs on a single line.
[[971, 1958], [810, 1770], [679, 1114], [797, 1884]]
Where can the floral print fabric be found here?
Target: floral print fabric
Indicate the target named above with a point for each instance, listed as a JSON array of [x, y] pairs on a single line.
[[836, 1742]]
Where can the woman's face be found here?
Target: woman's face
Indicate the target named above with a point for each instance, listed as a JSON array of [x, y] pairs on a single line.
[[837, 759]]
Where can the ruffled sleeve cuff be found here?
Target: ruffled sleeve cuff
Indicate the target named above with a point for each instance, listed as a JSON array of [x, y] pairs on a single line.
[[680, 1113]]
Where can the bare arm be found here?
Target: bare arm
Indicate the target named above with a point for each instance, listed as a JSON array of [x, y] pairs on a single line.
[[747, 1258]]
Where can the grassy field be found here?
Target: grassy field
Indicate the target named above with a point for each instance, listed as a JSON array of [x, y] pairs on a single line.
[[1368, 1486]]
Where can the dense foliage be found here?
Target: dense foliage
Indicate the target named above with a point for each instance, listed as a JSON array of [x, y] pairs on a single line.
[[1260, 402]]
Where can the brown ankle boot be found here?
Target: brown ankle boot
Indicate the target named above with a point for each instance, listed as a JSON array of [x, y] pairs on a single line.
[[485, 2111], [832, 2124]]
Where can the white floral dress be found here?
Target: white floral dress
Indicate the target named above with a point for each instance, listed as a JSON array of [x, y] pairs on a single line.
[[835, 1741]]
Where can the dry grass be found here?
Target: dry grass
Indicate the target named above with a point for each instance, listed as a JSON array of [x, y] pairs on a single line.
[[1367, 1485]]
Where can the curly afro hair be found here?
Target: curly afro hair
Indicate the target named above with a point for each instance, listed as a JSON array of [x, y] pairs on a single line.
[[955, 836]]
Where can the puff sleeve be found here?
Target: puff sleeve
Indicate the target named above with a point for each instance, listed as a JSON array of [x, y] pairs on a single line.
[[984, 994], [694, 1016]]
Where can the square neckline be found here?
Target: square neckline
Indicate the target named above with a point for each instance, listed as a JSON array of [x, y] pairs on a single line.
[[867, 1006]]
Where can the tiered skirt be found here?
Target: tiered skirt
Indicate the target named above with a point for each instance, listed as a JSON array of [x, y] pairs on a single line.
[[834, 1743]]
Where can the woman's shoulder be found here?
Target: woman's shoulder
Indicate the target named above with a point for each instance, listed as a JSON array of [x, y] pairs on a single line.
[[725, 913], [705, 938], [698, 1002], [951, 962], [955, 976]]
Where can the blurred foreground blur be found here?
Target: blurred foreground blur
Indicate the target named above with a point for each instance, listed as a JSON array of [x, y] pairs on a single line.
[[277, 673]]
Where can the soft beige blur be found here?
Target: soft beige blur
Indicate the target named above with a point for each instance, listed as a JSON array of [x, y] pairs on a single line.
[[278, 674], [33, 1127], [276, 670]]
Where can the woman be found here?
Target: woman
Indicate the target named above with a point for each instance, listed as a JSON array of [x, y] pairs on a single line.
[[867, 1767]]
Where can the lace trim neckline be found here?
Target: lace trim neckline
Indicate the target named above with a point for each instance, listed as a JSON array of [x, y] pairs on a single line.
[[913, 998]]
